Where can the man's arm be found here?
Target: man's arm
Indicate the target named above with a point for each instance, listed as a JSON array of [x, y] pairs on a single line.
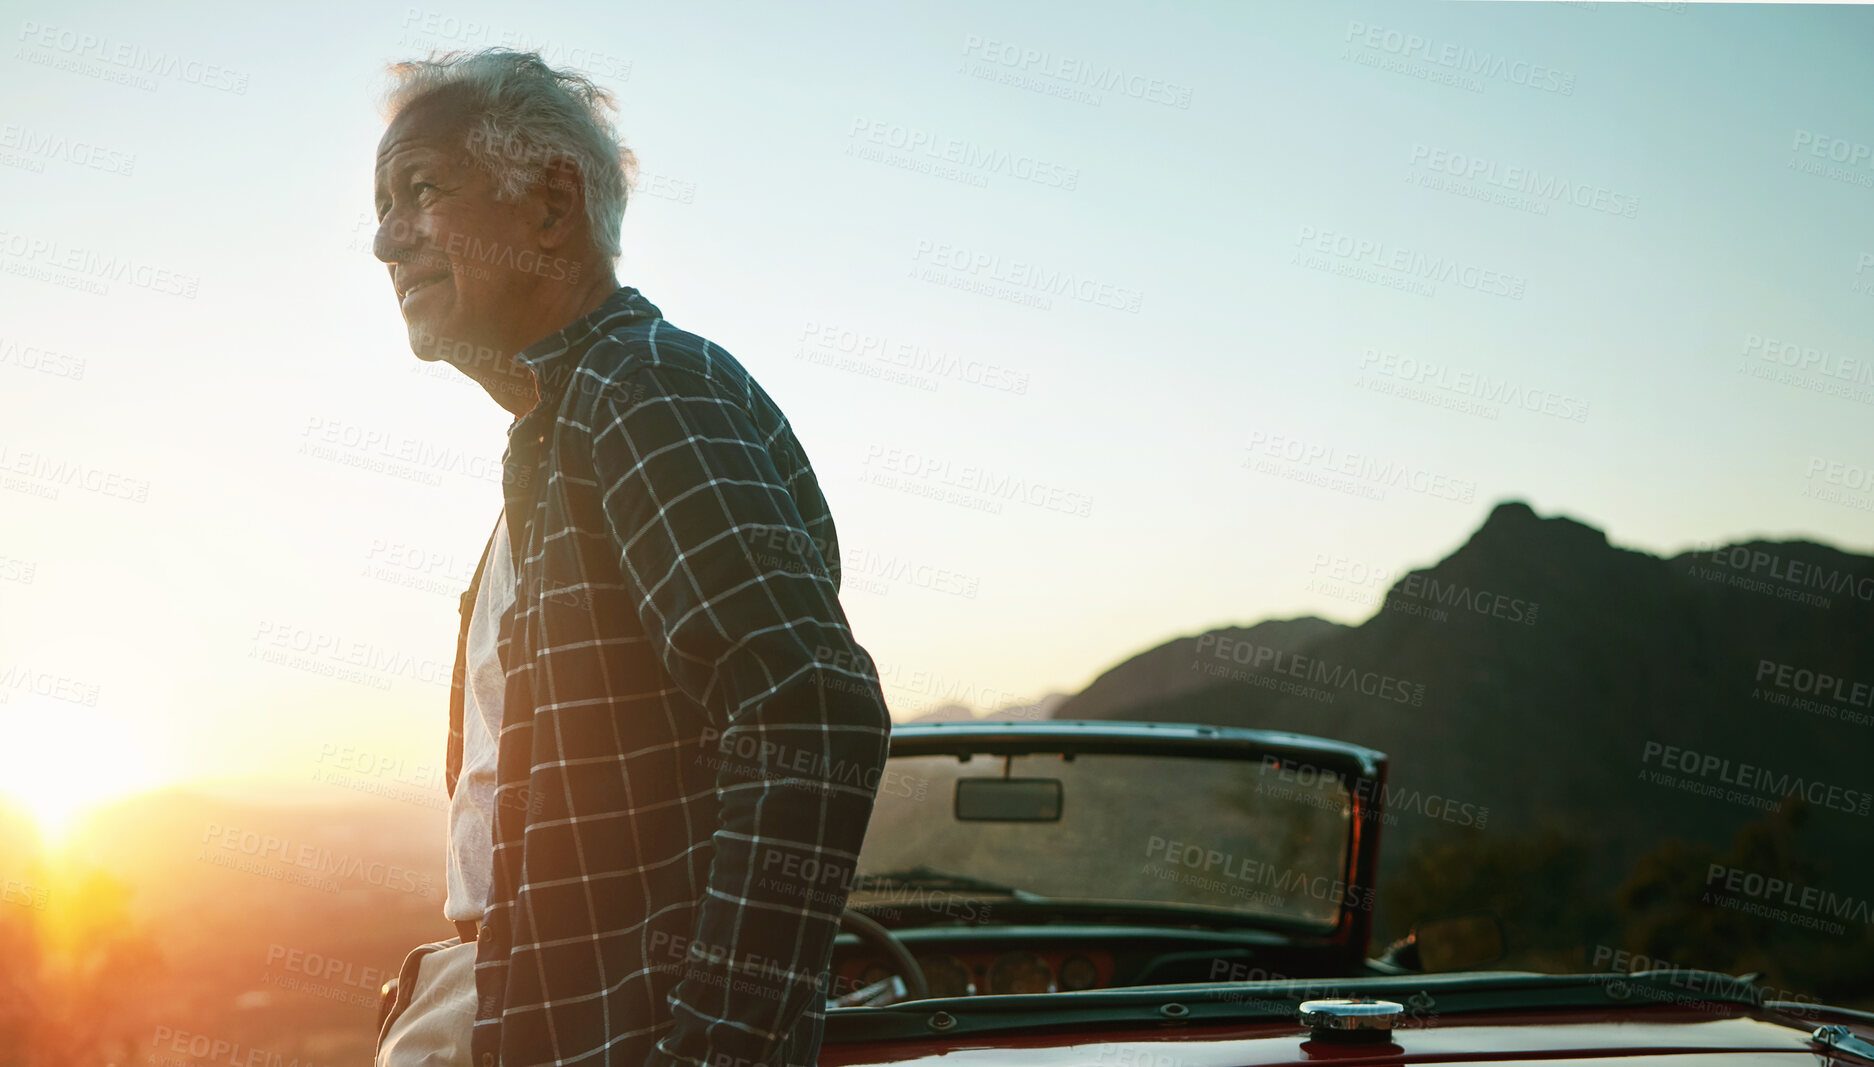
[[797, 722]]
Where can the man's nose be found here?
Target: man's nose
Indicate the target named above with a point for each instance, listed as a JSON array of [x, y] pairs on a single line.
[[397, 238]]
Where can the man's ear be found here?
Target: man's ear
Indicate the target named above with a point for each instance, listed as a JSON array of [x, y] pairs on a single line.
[[563, 194]]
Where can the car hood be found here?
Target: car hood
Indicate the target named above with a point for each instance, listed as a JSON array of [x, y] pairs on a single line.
[[1685, 1037], [1697, 1019]]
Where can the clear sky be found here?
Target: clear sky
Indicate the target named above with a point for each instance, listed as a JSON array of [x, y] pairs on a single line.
[[1223, 291]]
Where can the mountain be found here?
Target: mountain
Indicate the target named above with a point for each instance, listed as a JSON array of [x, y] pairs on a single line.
[[1165, 671], [1528, 673]]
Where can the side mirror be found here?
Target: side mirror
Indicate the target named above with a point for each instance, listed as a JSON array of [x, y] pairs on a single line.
[[1457, 943]]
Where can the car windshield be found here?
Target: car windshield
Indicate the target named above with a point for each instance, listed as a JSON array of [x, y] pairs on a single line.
[[1218, 836]]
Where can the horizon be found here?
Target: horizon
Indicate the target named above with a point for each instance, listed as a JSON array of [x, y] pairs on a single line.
[[268, 789]]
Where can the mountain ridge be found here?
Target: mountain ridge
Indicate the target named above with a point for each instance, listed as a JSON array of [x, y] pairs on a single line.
[[1540, 673]]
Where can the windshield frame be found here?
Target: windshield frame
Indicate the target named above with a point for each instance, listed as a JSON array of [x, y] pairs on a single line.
[[1361, 770]]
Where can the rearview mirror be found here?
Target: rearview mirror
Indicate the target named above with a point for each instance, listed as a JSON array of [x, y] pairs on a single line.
[[1008, 800]]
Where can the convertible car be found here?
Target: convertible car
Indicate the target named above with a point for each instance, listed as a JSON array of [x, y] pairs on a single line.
[[1157, 895], [1129, 894]]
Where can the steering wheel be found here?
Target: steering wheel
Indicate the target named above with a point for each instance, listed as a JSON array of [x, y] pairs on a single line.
[[875, 934]]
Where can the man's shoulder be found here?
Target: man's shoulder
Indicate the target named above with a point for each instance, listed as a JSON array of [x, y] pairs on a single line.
[[638, 355]]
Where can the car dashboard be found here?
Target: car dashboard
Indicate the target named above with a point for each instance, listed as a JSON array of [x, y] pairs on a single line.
[[992, 961]]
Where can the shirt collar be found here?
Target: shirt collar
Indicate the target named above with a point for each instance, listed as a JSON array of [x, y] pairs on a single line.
[[554, 357]]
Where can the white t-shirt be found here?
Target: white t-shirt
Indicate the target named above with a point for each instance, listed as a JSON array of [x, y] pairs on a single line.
[[472, 807]]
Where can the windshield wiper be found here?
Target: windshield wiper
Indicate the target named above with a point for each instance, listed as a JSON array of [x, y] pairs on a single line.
[[922, 877]]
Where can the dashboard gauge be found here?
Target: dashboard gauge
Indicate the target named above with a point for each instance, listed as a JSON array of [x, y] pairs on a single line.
[[1020, 972], [947, 976], [1078, 972], [874, 972]]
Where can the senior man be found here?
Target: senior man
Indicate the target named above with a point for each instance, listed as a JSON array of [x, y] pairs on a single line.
[[664, 741]]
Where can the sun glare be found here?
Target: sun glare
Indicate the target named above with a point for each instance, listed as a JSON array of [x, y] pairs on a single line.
[[59, 767]]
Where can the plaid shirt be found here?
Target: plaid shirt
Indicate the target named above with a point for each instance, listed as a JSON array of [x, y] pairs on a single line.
[[692, 738]]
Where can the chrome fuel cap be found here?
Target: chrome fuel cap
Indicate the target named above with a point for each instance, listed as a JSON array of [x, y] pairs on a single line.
[[1342, 1018]]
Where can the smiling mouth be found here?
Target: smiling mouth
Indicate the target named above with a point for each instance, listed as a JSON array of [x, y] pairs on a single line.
[[417, 288]]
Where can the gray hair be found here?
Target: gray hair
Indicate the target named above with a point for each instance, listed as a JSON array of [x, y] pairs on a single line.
[[529, 116]]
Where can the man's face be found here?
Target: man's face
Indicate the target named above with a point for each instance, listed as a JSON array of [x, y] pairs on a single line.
[[447, 240]]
